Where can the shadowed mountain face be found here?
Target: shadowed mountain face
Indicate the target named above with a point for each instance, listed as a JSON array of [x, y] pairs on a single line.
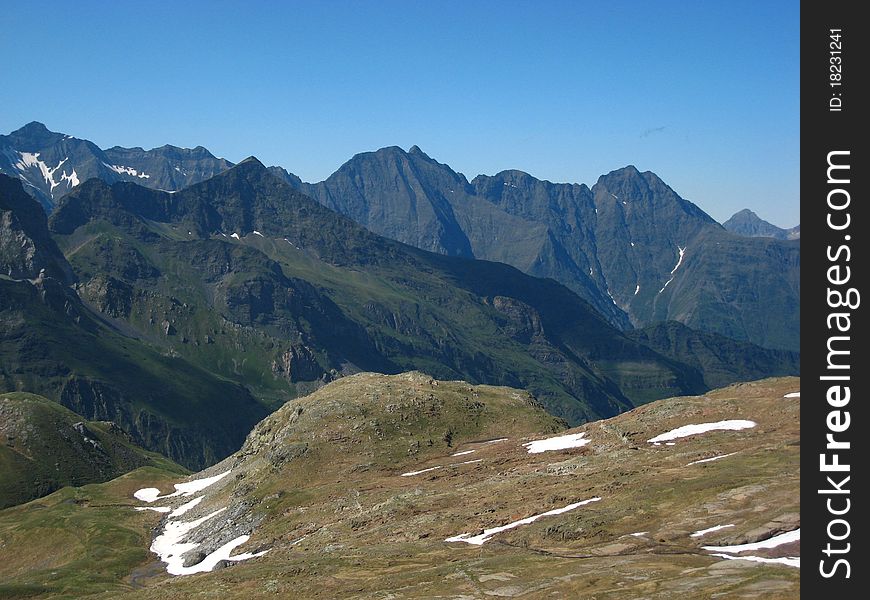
[[747, 223], [53, 344], [721, 359], [625, 245], [291, 294], [51, 164]]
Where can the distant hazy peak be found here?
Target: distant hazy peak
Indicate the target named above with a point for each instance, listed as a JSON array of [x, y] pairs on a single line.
[[748, 224]]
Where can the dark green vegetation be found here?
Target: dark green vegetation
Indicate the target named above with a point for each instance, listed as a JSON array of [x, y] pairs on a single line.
[[747, 223], [616, 244], [67, 161], [44, 446], [80, 541], [721, 359], [53, 344], [319, 485], [312, 295]]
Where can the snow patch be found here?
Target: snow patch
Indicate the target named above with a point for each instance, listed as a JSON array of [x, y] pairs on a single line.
[[185, 507], [687, 430], [637, 289], [793, 395], [478, 540], [639, 533], [122, 170], [188, 488], [410, 473], [777, 540], [561, 442], [235, 235], [682, 252], [701, 532], [791, 561], [28, 160], [705, 460], [147, 494], [170, 547], [258, 233], [463, 453]]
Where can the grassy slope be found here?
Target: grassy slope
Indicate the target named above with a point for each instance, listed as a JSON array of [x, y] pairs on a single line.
[[372, 533], [78, 541], [43, 348], [40, 451]]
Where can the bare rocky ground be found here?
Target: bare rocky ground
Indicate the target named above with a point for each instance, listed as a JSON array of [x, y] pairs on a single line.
[[319, 486]]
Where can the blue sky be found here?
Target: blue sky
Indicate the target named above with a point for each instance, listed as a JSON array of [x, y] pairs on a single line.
[[705, 94]]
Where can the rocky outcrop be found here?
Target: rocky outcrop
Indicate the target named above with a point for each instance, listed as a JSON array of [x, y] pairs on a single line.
[[26, 247]]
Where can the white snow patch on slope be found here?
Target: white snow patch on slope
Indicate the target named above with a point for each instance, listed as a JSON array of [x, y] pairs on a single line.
[[29, 160], [122, 170], [463, 453], [637, 289], [170, 545], [185, 507], [147, 494], [478, 540], [258, 233], [687, 430], [682, 252], [777, 540], [701, 532], [410, 473], [235, 235], [793, 395], [705, 460], [561, 442], [791, 561], [181, 489]]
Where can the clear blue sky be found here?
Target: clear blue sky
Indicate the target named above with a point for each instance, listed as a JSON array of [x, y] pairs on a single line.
[[705, 94]]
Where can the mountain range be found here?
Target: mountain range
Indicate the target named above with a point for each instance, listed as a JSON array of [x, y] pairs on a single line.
[[51, 164], [257, 293], [373, 376], [629, 245]]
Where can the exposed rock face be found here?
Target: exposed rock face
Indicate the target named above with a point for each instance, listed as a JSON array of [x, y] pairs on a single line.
[[26, 248], [297, 364], [618, 245], [524, 322]]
